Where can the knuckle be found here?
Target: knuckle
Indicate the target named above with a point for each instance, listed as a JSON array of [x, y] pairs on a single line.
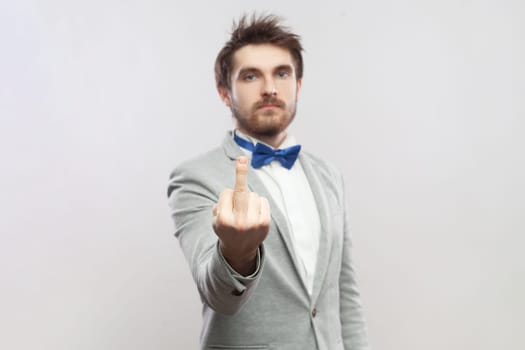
[[223, 222], [240, 225], [245, 226], [264, 225]]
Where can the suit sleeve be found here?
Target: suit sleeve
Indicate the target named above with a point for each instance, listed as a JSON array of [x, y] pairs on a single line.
[[191, 198], [352, 320]]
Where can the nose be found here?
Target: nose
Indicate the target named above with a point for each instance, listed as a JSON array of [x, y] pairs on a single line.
[[269, 88]]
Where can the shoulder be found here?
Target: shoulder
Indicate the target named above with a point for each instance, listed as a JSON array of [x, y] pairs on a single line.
[[206, 171], [200, 164]]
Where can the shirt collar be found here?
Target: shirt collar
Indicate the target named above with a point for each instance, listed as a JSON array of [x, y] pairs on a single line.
[[288, 141]]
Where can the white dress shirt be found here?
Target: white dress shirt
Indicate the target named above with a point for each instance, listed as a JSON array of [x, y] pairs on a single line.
[[291, 191]]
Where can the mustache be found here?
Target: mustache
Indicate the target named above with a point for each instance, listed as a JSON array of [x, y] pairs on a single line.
[[269, 101]]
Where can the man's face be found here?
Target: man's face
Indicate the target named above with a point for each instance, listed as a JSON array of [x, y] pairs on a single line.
[[264, 89]]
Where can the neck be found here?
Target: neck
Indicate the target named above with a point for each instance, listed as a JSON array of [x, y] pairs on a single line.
[[273, 140]]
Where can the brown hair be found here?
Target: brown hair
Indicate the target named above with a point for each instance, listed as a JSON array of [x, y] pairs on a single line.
[[259, 30]]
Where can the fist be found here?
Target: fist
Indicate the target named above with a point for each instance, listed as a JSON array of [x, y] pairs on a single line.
[[241, 220]]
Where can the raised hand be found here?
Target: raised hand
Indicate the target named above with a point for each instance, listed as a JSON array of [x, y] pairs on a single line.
[[241, 220]]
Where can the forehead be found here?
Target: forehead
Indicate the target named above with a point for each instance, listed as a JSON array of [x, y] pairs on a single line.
[[262, 57]]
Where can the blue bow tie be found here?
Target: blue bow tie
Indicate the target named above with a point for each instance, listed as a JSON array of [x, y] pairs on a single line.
[[262, 154]]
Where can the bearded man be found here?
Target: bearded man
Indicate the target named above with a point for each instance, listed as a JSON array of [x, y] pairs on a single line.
[[264, 225]]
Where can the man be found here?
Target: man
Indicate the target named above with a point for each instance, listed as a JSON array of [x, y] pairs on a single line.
[[266, 235]]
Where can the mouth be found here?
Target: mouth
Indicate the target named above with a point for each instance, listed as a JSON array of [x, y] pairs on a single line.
[[268, 106]]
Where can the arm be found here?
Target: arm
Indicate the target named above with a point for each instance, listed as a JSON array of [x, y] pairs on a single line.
[[352, 321], [193, 202]]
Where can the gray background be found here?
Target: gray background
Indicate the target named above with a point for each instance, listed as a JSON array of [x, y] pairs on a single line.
[[419, 103]]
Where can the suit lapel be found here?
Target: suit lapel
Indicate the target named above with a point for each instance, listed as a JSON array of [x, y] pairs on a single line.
[[255, 185], [323, 207]]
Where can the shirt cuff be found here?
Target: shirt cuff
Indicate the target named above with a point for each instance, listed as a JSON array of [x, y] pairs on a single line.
[[238, 276]]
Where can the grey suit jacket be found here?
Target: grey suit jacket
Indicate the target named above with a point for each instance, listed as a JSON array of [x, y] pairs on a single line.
[[272, 308]]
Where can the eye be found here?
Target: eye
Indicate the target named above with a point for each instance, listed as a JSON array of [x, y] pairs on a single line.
[[249, 77], [283, 74]]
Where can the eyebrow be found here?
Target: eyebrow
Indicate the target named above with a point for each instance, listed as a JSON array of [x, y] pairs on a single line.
[[248, 70], [284, 67]]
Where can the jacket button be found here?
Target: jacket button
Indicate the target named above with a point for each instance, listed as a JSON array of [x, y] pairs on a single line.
[[237, 293], [314, 312]]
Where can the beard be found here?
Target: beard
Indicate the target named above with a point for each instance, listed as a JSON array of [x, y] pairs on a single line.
[[260, 122]]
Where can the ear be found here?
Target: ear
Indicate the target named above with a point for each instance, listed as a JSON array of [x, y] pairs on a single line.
[[299, 84], [224, 94]]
